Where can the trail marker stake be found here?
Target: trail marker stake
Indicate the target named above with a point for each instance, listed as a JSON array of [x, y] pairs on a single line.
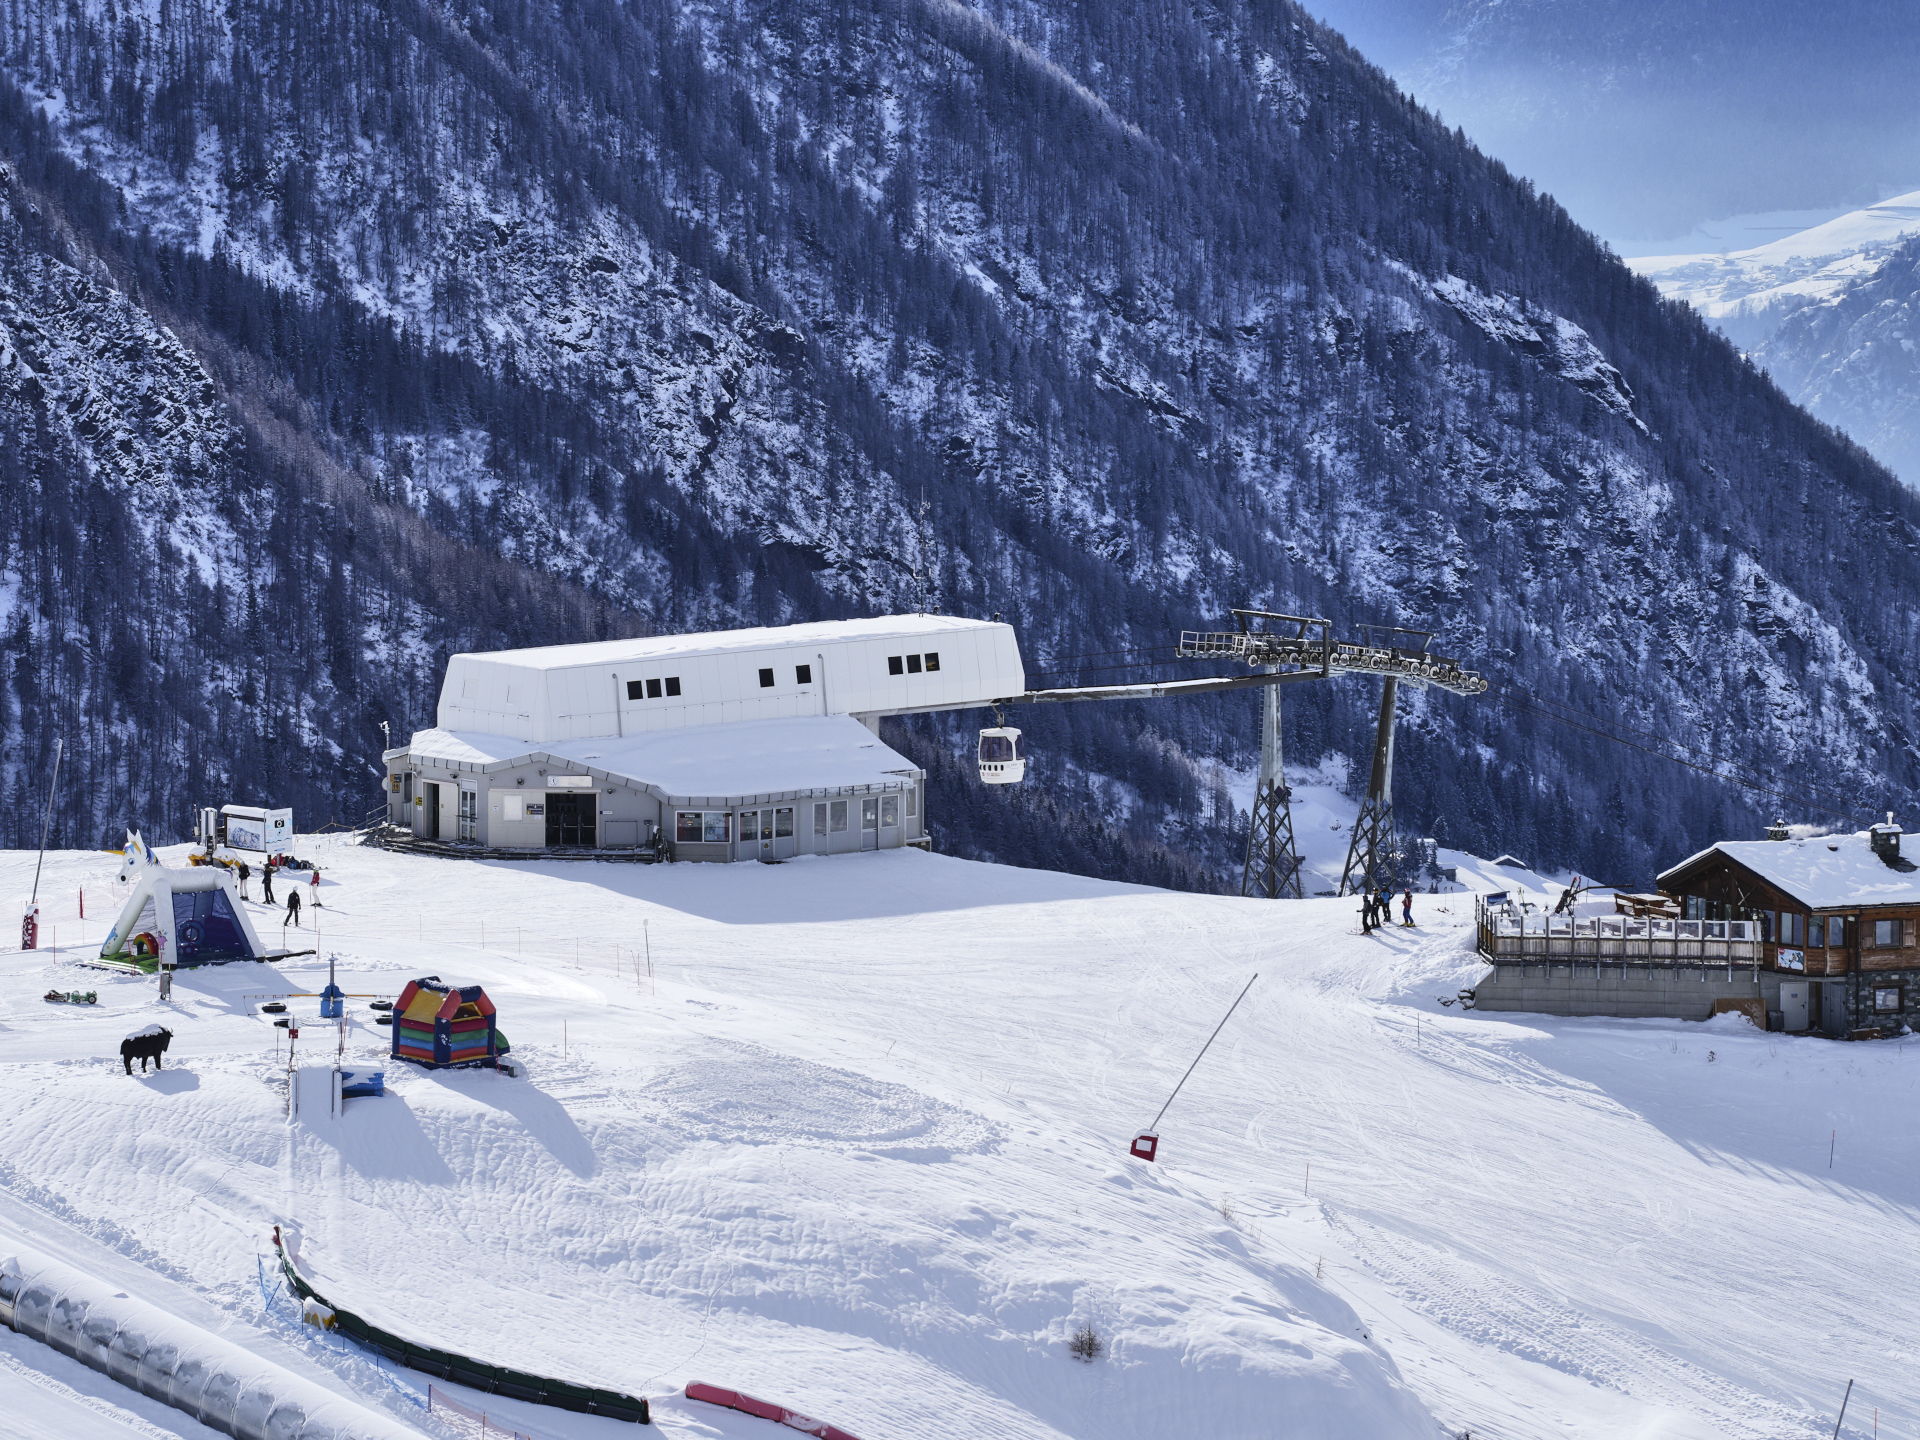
[[1843, 1410], [1147, 1142]]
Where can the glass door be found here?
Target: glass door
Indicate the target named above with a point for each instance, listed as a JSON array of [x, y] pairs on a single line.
[[783, 832], [870, 823], [469, 814]]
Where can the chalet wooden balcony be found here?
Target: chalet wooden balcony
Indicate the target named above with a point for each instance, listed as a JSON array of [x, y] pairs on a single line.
[[1535, 937]]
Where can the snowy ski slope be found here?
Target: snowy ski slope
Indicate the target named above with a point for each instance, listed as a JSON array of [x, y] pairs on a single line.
[[857, 1145]]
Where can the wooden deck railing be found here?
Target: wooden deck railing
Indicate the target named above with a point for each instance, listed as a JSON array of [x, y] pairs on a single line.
[[1509, 936]]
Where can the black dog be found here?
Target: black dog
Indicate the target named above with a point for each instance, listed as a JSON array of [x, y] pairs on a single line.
[[147, 1044]]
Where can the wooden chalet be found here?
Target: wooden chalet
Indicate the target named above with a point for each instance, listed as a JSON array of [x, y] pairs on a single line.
[[1837, 917]]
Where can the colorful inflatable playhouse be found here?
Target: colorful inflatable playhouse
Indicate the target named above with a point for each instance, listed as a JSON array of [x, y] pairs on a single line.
[[444, 1026]]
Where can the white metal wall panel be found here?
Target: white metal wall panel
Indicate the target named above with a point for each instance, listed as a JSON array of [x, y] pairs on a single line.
[[978, 662]]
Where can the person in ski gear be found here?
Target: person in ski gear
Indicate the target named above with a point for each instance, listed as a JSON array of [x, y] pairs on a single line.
[[293, 906], [315, 883], [244, 873], [1406, 907], [266, 880], [1366, 914]]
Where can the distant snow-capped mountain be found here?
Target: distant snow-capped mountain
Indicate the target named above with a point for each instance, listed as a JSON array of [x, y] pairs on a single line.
[[1833, 312]]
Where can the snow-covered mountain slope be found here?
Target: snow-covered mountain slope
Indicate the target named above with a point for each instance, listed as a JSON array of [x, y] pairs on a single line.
[[1831, 313], [857, 1144], [538, 327], [1855, 360]]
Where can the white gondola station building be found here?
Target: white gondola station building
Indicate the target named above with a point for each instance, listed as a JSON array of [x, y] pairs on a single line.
[[734, 745]]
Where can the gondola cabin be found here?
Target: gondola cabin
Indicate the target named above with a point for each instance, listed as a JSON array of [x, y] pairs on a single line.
[[1003, 756]]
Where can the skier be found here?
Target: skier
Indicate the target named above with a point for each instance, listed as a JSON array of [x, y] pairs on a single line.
[[1366, 913], [1406, 907], [244, 873], [266, 880], [315, 882], [293, 906]]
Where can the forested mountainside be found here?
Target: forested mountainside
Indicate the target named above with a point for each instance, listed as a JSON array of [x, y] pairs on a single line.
[[342, 335], [1650, 117]]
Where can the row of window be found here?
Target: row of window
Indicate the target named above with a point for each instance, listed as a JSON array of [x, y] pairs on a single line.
[[1813, 932], [830, 817], [913, 664], [670, 685]]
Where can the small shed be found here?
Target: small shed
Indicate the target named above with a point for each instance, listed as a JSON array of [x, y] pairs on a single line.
[[443, 1027]]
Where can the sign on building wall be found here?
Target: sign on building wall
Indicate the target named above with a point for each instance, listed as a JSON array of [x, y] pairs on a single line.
[[1792, 959], [570, 782]]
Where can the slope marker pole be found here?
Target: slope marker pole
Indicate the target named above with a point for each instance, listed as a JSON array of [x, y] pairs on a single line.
[[1204, 1048]]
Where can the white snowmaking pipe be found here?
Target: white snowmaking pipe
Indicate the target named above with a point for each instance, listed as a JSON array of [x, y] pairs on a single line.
[[175, 1361]]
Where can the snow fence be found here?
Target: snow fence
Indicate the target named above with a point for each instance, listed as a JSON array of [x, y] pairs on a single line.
[[175, 1361], [463, 1369]]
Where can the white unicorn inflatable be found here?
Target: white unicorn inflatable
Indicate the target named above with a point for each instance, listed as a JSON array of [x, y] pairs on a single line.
[[178, 917], [137, 858]]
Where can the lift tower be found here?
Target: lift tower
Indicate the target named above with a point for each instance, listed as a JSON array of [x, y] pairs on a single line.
[[1288, 647]]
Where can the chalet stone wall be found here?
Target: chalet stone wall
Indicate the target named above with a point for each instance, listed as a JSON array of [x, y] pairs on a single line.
[[1671, 992]]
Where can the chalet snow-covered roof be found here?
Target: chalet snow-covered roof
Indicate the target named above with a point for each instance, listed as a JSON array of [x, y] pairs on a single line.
[[717, 642], [752, 757], [1824, 872]]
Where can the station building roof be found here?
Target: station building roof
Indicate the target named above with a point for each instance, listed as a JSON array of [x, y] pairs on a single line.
[[741, 761]]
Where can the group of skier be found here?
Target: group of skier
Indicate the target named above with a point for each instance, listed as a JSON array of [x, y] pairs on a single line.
[[245, 873], [1376, 909]]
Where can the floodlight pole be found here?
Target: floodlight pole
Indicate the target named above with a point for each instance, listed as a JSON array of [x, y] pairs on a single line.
[[46, 818]]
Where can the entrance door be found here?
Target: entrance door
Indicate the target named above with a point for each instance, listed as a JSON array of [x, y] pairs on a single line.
[[870, 823], [432, 809], [1793, 1004], [572, 818], [469, 815], [782, 832]]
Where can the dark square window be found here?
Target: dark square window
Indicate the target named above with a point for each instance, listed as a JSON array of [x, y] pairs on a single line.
[[803, 674], [636, 689], [895, 665], [673, 684], [913, 664], [1887, 999], [933, 660], [653, 689], [766, 679]]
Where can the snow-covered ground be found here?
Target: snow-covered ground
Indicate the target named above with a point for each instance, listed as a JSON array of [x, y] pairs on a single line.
[[857, 1144]]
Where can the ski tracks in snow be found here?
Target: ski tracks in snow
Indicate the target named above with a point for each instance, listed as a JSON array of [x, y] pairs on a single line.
[[1494, 1311]]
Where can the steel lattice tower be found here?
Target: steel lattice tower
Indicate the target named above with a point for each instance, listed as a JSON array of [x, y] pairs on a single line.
[[1273, 864], [1373, 863]]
